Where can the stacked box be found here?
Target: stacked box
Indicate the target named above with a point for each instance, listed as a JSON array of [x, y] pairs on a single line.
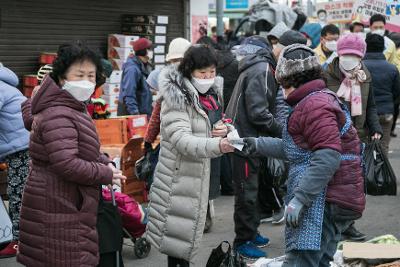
[[120, 49], [111, 91]]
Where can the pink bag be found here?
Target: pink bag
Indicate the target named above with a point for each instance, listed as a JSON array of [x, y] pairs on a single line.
[[132, 213]]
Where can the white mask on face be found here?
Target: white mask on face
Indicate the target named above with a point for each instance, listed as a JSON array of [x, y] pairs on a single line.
[[348, 63], [331, 46], [80, 90], [380, 32], [150, 54], [203, 85]]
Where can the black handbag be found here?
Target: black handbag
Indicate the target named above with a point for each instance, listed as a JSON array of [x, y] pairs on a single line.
[[379, 175], [146, 165], [225, 258]]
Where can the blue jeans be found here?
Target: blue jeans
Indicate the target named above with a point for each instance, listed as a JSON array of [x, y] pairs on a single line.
[[331, 234]]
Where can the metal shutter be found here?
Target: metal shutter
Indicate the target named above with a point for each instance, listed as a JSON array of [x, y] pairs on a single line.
[[28, 27]]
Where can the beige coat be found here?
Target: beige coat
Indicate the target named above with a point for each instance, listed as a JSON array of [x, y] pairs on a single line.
[[179, 194]]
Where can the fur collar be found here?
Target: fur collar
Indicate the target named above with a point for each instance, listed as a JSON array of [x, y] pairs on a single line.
[[173, 87]]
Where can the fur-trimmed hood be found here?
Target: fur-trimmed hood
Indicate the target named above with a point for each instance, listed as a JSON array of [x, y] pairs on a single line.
[[175, 90]]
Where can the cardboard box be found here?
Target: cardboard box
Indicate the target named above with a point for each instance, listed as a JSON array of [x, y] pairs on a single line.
[[111, 100], [112, 131], [27, 91], [117, 63], [111, 89], [120, 53], [30, 80], [370, 251], [119, 40], [113, 113], [116, 77], [137, 125]]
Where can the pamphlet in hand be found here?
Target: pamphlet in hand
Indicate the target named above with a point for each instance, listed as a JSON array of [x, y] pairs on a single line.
[[235, 140]]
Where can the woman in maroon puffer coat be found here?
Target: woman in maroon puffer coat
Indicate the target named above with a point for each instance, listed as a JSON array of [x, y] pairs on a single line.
[[60, 201]]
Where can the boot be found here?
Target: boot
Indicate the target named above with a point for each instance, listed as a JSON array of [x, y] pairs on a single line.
[[353, 234], [175, 262]]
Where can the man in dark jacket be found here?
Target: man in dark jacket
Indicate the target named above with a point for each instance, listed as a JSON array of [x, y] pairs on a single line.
[[251, 107], [385, 84], [135, 96]]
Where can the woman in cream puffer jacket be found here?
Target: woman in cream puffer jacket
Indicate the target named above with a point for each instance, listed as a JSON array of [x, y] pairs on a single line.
[[179, 194]]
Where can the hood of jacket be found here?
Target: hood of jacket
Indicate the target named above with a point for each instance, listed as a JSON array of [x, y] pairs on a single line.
[[262, 55], [176, 90], [313, 31], [334, 71], [225, 57], [51, 95], [8, 76]]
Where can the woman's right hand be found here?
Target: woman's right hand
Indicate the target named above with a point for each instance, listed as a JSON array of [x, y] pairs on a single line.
[[225, 146]]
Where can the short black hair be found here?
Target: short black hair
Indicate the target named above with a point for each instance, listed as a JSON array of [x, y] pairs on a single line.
[[375, 43], [321, 11], [197, 57], [71, 53], [351, 27], [330, 28], [377, 17]]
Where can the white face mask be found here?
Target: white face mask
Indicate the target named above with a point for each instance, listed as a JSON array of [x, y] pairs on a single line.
[[331, 46], [80, 90], [203, 85], [150, 54], [348, 63], [380, 32]]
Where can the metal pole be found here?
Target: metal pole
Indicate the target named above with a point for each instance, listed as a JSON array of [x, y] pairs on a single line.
[[220, 15]]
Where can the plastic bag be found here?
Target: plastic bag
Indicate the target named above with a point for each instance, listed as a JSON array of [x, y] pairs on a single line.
[[225, 258], [379, 175]]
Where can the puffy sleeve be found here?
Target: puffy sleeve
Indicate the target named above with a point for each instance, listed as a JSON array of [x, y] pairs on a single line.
[[60, 139], [176, 124]]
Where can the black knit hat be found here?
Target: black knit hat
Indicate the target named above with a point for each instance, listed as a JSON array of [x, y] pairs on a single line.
[[292, 37], [375, 43]]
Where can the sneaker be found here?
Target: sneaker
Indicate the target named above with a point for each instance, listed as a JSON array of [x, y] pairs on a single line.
[[261, 241], [393, 134], [10, 250], [249, 251], [278, 217], [353, 234], [268, 217]]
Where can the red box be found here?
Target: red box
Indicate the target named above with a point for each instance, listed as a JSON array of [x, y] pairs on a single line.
[[47, 58], [137, 125], [27, 90], [30, 80]]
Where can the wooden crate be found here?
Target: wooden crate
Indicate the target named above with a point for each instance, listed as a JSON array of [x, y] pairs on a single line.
[[129, 154], [112, 131]]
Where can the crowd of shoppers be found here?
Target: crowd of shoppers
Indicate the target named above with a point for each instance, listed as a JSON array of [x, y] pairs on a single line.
[[310, 97]]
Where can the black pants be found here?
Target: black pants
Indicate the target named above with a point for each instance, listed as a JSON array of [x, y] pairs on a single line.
[[175, 262], [269, 197], [245, 180], [395, 116], [226, 175]]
